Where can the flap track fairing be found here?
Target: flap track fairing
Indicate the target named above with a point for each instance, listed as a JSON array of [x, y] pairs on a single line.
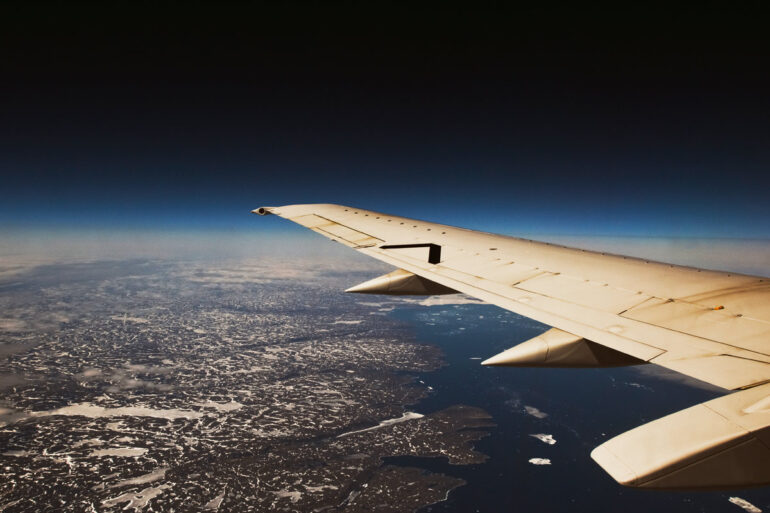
[[557, 348], [401, 283]]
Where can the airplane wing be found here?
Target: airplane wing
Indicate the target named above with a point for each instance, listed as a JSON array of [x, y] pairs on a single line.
[[604, 310]]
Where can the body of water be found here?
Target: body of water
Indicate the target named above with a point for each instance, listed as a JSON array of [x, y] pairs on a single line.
[[579, 408]]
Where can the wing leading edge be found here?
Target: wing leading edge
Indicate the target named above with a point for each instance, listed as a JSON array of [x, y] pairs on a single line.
[[605, 310]]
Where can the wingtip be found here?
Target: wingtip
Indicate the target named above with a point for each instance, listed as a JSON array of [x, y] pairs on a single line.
[[614, 466], [263, 211]]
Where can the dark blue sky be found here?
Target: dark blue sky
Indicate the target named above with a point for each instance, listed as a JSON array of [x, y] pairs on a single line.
[[643, 121]]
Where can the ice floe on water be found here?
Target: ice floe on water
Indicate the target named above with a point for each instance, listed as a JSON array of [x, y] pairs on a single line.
[[743, 503], [119, 451], [540, 461], [136, 501], [229, 406], [146, 478], [531, 410], [89, 442], [285, 494], [321, 488], [17, 454], [93, 411], [638, 385], [410, 415], [548, 439], [213, 504]]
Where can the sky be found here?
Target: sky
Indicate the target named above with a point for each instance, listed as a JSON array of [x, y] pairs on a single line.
[[576, 121]]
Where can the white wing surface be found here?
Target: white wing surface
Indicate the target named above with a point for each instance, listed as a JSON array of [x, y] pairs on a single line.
[[605, 310]]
